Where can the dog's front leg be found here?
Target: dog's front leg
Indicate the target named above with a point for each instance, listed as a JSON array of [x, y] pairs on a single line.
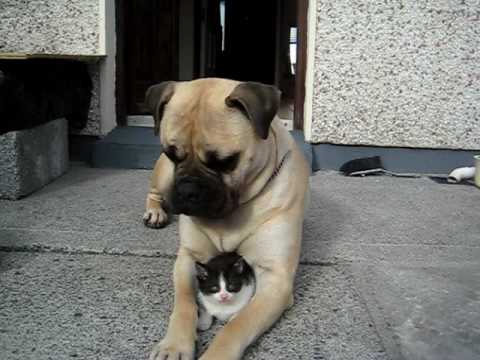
[[161, 183], [179, 342], [273, 296]]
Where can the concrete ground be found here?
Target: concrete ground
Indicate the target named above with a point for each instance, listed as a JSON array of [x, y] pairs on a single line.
[[390, 270]]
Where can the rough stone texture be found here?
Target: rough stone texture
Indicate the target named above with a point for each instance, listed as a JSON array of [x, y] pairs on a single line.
[[433, 311], [397, 73], [29, 159], [50, 27], [389, 270], [56, 27]]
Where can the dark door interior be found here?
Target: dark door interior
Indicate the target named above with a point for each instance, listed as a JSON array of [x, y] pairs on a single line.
[[249, 49], [247, 40], [210, 16], [151, 47]]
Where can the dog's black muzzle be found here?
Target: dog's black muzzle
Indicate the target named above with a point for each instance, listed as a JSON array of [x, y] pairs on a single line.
[[203, 197]]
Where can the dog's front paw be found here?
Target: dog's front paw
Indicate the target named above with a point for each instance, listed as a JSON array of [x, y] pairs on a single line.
[[155, 218], [169, 349]]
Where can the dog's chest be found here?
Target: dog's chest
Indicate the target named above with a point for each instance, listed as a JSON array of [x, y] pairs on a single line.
[[225, 240], [227, 235]]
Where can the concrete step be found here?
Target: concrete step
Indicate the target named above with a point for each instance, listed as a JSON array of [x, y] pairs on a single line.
[[132, 147]]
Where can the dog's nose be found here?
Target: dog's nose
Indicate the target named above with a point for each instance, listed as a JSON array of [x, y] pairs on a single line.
[[198, 196], [189, 190]]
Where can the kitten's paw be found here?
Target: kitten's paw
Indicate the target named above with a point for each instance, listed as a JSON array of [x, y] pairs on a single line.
[[155, 218], [204, 321], [170, 349]]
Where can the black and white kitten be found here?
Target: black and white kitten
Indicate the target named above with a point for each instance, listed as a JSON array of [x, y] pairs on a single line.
[[225, 285]]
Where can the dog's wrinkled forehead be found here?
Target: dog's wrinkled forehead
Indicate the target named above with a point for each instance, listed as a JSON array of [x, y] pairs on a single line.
[[212, 113], [195, 120]]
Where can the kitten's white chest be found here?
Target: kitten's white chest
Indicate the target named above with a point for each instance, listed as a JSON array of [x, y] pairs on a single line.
[[224, 311]]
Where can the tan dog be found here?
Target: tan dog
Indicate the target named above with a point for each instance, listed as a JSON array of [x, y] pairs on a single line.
[[240, 182]]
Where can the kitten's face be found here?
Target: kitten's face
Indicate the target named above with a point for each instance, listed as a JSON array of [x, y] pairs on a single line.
[[223, 277]]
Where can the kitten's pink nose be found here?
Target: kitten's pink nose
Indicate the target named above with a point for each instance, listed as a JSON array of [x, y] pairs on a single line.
[[224, 297]]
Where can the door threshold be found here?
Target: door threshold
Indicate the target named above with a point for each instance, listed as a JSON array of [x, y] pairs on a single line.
[[140, 120]]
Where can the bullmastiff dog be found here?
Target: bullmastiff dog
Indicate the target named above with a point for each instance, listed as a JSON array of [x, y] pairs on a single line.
[[239, 183]]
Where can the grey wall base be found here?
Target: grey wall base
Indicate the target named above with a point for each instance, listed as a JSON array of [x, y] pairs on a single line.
[[127, 148], [30, 159], [406, 160], [138, 148]]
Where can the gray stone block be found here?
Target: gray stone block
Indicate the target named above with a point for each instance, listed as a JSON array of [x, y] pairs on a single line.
[[30, 159]]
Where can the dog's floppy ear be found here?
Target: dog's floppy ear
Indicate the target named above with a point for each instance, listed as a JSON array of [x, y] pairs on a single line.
[[258, 101], [155, 99]]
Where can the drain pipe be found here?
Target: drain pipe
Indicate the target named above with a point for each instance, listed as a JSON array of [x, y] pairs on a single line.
[[461, 174]]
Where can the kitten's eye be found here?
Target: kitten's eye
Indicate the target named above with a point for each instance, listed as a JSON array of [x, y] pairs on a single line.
[[214, 288], [232, 288], [227, 164]]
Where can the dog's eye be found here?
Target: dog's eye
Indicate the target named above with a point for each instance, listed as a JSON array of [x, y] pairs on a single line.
[[171, 152], [226, 164]]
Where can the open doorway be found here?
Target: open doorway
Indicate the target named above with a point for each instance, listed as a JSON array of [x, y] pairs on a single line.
[[245, 40]]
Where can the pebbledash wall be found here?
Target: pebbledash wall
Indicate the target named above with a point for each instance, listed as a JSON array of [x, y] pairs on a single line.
[[77, 28], [400, 73]]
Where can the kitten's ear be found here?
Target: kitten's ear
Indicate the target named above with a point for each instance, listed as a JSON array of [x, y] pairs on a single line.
[[239, 266], [202, 272]]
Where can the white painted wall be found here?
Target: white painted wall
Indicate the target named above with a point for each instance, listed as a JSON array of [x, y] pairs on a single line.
[[309, 73], [107, 66], [102, 116]]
